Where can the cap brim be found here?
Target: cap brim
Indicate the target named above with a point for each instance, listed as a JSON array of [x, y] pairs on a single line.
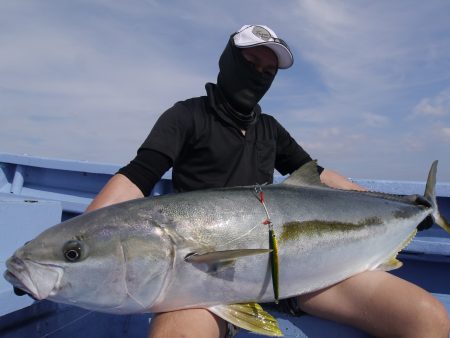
[[284, 55]]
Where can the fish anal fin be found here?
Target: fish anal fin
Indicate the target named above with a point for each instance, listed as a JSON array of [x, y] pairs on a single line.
[[392, 264], [408, 240], [249, 316]]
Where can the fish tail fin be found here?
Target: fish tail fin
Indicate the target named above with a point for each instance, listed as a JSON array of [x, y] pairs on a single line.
[[430, 196]]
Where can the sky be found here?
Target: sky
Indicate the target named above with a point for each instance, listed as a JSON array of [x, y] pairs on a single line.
[[368, 94]]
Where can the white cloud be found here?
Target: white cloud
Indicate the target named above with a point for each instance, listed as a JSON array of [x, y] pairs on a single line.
[[375, 120], [437, 106], [331, 132], [331, 142], [363, 50], [446, 133], [414, 144]]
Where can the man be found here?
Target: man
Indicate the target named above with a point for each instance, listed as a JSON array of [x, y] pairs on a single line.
[[223, 139]]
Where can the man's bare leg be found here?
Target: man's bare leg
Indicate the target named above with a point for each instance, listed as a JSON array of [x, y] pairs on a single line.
[[382, 305], [191, 323]]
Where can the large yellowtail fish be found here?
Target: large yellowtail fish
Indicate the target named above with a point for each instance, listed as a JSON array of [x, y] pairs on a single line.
[[210, 249]]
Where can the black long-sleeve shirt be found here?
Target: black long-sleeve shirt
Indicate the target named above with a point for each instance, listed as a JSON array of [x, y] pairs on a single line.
[[206, 152]]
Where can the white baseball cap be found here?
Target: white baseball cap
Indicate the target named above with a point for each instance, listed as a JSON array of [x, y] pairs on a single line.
[[259, 35]]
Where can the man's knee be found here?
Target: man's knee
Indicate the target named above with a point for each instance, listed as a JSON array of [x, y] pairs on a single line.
[[432, 316]]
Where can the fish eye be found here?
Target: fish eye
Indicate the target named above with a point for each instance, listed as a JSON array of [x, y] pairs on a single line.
[[73, 251]]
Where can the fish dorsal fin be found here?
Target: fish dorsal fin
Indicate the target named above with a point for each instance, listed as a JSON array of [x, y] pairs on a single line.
[[216, 257], [306, 175], [250, 316]]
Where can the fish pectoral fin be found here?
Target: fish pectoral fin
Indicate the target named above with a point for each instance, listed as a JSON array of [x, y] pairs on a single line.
[[217, 257], [392, 264], [249, 316]]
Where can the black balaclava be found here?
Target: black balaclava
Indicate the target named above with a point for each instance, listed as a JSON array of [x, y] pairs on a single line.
[[241, 85]]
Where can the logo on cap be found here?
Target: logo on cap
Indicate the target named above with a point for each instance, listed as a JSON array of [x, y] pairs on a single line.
[[261, 33]]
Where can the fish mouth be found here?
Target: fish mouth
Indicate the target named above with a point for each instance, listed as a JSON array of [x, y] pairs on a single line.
[[37, 279], [12, 279]]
